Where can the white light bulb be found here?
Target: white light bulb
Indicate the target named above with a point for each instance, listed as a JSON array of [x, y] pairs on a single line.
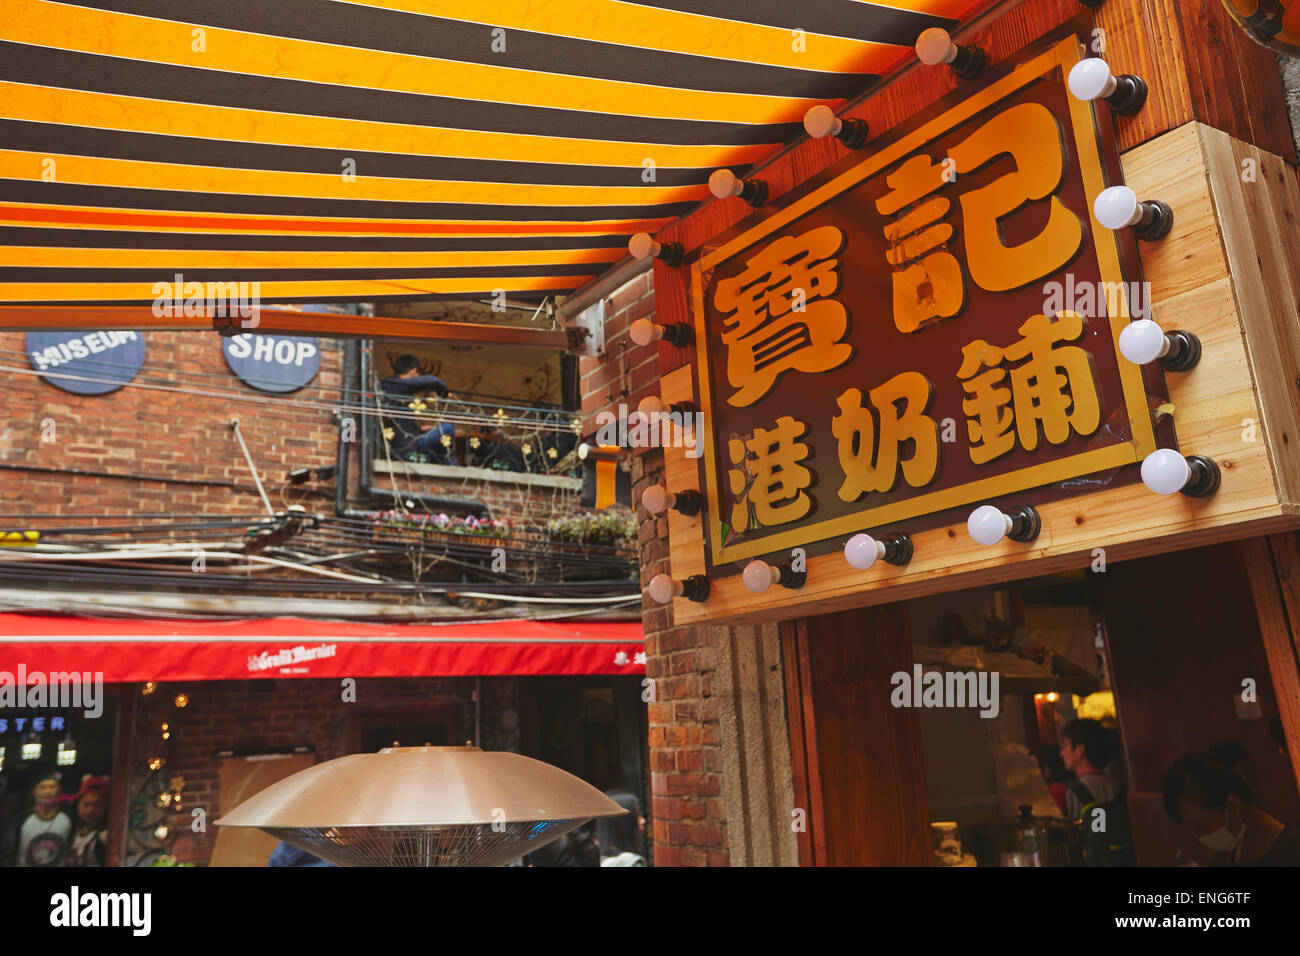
[[1091, 79], [644, 331], [1142, 341], [651, 405], [662, 588], [1165, 471], [642, 246], [987, 525], [583, 451], [655, 499], [821, 121], [862, 550], [723, 183], [758, 576], [1116, 207], [935, 46]]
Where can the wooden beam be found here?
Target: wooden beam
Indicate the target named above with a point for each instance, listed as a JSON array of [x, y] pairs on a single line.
[[1273, 565], [22, 318]]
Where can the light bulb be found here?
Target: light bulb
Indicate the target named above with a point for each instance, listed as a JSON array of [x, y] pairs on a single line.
[[987, 525], [723, 183], [1142, 341], [1116, 207], [1091, 79], [1165, 471], [655, 499], [663, 588], [651, 405], [583, 451], [642, 246], [759, 576], [644, 331], [862, 550], [821, 121], [935, 46]]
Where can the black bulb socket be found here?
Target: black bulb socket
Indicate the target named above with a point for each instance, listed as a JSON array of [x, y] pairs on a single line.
[[696, 588], [1025, 524]]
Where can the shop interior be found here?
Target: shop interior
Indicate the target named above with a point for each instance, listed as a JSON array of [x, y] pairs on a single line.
[[1163, 666]]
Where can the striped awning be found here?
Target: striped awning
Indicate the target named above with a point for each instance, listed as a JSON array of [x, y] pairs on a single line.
[[370, 150]]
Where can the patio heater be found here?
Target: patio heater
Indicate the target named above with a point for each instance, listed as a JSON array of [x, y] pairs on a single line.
[[423, 806]]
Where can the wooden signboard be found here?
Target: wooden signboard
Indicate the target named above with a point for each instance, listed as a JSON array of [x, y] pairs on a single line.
[[933, 324]]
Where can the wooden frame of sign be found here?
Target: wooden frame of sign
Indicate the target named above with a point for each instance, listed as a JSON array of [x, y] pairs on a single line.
[[1228, 272]]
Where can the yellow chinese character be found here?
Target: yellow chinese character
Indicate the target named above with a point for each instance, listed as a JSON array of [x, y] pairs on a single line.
[[776, 481], [1055, 386], [859, 444], [989, 420], [777, 316], [1031, 136], [927, 277]]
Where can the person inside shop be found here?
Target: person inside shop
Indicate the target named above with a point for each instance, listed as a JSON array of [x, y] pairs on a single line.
[[1096, 797], [88, 846], [1084, 754], [409, 435], [1216, 804], [43, 836]]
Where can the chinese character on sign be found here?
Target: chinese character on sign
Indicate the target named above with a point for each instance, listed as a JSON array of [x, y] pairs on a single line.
[[927, 277], [1055, 385], [870, 460], [621, 658], [778, 315], [777, 490]]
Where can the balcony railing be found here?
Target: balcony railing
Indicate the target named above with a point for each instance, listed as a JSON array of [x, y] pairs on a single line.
[[478, 432]]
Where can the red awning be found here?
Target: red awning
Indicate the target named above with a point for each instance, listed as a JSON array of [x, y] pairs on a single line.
[[134, 650]]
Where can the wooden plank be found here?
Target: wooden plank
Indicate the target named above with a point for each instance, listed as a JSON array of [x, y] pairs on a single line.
[[277, 321], [800, 741], [1259, 219], [869, 752]]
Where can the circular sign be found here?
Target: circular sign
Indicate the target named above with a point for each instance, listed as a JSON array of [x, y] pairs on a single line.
[[273, 363], [102, 361]]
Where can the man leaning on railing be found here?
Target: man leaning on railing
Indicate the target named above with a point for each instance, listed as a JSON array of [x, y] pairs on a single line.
[[435, 439]]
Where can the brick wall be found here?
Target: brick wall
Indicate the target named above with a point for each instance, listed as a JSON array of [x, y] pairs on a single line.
[[146, 451], [688, 824], [140, 451]]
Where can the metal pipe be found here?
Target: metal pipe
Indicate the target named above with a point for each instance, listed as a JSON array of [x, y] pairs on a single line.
[[234, 427], [351, 348]]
